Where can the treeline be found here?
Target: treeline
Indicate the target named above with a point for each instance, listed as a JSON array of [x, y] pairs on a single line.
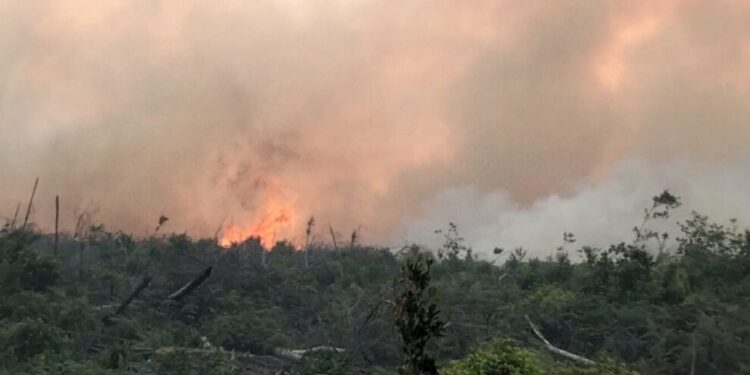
[[107, 302]]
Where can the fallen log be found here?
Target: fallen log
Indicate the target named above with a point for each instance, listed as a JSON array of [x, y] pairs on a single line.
[[264, 361], [133, 295], [298, 354], [279, 354], [189, 287], [565, 354]]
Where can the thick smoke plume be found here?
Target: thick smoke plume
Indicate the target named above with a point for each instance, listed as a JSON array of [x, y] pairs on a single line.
[[517, 120]]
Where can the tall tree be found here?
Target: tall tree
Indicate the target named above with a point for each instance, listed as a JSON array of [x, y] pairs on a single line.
[[417, 315]]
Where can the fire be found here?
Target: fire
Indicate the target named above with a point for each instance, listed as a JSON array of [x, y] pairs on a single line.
[[272, 225]]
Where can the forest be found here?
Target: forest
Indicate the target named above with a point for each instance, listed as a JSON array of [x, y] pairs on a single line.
[[98, 301]]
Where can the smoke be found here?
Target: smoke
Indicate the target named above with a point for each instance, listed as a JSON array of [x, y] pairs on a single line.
[[599, 214], [515, 119]]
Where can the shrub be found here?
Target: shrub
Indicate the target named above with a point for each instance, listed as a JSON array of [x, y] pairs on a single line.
[[500, 357]]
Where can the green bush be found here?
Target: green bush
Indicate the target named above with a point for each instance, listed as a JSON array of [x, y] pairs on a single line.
[[604, 366], [500, 357], [30, 337], [179, 361]]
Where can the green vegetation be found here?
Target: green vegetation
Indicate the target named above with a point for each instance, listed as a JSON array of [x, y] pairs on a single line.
[[632, 308], [499, 357], [417, 314]]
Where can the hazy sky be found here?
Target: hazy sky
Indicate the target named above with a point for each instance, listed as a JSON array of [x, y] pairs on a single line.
[[516, 119]]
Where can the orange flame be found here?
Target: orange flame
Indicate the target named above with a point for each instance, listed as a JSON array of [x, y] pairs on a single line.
[[271, 226]]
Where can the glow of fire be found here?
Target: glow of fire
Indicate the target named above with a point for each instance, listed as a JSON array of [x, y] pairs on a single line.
[[269, 228]]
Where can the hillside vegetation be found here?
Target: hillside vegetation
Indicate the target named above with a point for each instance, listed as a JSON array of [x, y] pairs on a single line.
[[651, 306]]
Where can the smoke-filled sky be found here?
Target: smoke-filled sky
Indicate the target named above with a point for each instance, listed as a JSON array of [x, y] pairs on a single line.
[[517, 120]]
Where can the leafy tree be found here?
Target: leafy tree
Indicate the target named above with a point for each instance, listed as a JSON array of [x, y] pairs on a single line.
[[417, 314]]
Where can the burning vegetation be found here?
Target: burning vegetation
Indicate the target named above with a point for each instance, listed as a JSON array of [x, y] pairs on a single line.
[[96, 301], [520, 121], [266, 230]]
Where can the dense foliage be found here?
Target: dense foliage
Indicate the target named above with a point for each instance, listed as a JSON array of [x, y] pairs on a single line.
[[499, 357], [657, 305], [417, 314]]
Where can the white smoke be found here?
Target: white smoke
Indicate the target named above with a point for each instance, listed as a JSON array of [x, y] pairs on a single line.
[[599, 213]]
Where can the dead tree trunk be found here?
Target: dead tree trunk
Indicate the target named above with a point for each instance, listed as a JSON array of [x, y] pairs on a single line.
[[83, 226], [31, 201], [308, 232], [81, 249], [565, 354], [333, 237], [189, 287], [57, 220], [137, 291], [15, 217]]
